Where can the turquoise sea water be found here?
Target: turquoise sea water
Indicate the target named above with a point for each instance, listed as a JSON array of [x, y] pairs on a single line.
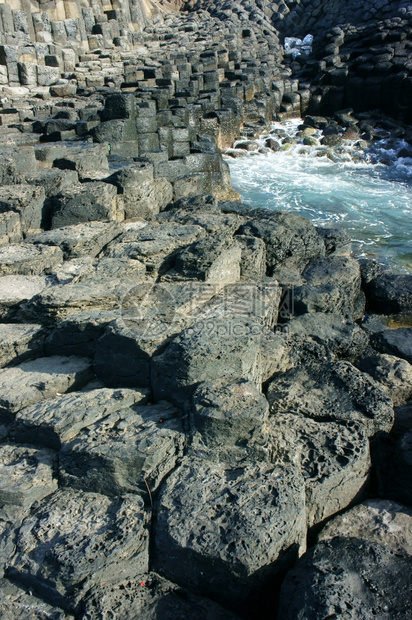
[[372, 201]]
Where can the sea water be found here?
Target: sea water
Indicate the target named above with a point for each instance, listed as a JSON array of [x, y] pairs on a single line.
[[365, 190]]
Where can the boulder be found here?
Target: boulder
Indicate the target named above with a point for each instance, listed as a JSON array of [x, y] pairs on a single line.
[[59, 302], [332, 392], [348, 577], [377, 521], [20, 342], [27, 201], [128, 451], [334, 460], [393, 374], [236, 526], [396, 342], [26, 475], [86, 202], [79, 333], [58, 420], [85, 239], [28, 260], [10, 228], [228, 416], [62, 562], [389, 293], [290, 239], [16, 290], [344, 339], [215, 259], [223, 348], [17, 603], [150, 596], [40, 379]]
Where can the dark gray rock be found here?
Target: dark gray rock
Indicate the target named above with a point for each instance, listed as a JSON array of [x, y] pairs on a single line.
[[253, 257], [20, 342], [128, 451], [86, 202], [59, 302], [390, 293], [344, 339], [394, 375], [27, 201], [58, 420], [377, 521], [225, 348], [337, 242], [19, 604], [234, 526], [213, 259], [85, 239], [11, 517], [332, 285], [34, 381], [334, 459], [350, 578], [332, 392], [290, 239], [27, 475], [79, 333], [228, 416], [396, 342], [26, 260], [150, 596], [61, 562]]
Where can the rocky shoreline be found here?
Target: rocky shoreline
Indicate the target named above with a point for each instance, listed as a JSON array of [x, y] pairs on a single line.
[[205, 409]]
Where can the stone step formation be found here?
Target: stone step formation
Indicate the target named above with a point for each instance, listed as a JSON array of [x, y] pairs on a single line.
[[190, 388]]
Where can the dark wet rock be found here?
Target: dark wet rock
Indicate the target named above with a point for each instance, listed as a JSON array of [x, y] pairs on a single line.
[[24, 259], [86, 202], [335, 391], [85, 239], [377, 521], [18, 604], [34, 381], [235, 526], [149, 596], [393, 374], [228, 416], [27, 475], [61, 562], [344, 339], [58, 420], [348, 577], [20, 342], [290, 239], [390, 293], [16, 290], [222, 348], [334, 459], [128, 451], [396, 342]]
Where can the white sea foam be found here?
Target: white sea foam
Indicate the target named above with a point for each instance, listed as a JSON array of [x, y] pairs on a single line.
[[343, 187]]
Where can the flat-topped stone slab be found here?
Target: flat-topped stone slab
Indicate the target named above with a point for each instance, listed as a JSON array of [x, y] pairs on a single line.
[[61, 562], [236, 526], [20, 342], [24, 259], [37, 380], [128, 451], [15, 290], [58, 420], [26, 474], [84, 239]]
